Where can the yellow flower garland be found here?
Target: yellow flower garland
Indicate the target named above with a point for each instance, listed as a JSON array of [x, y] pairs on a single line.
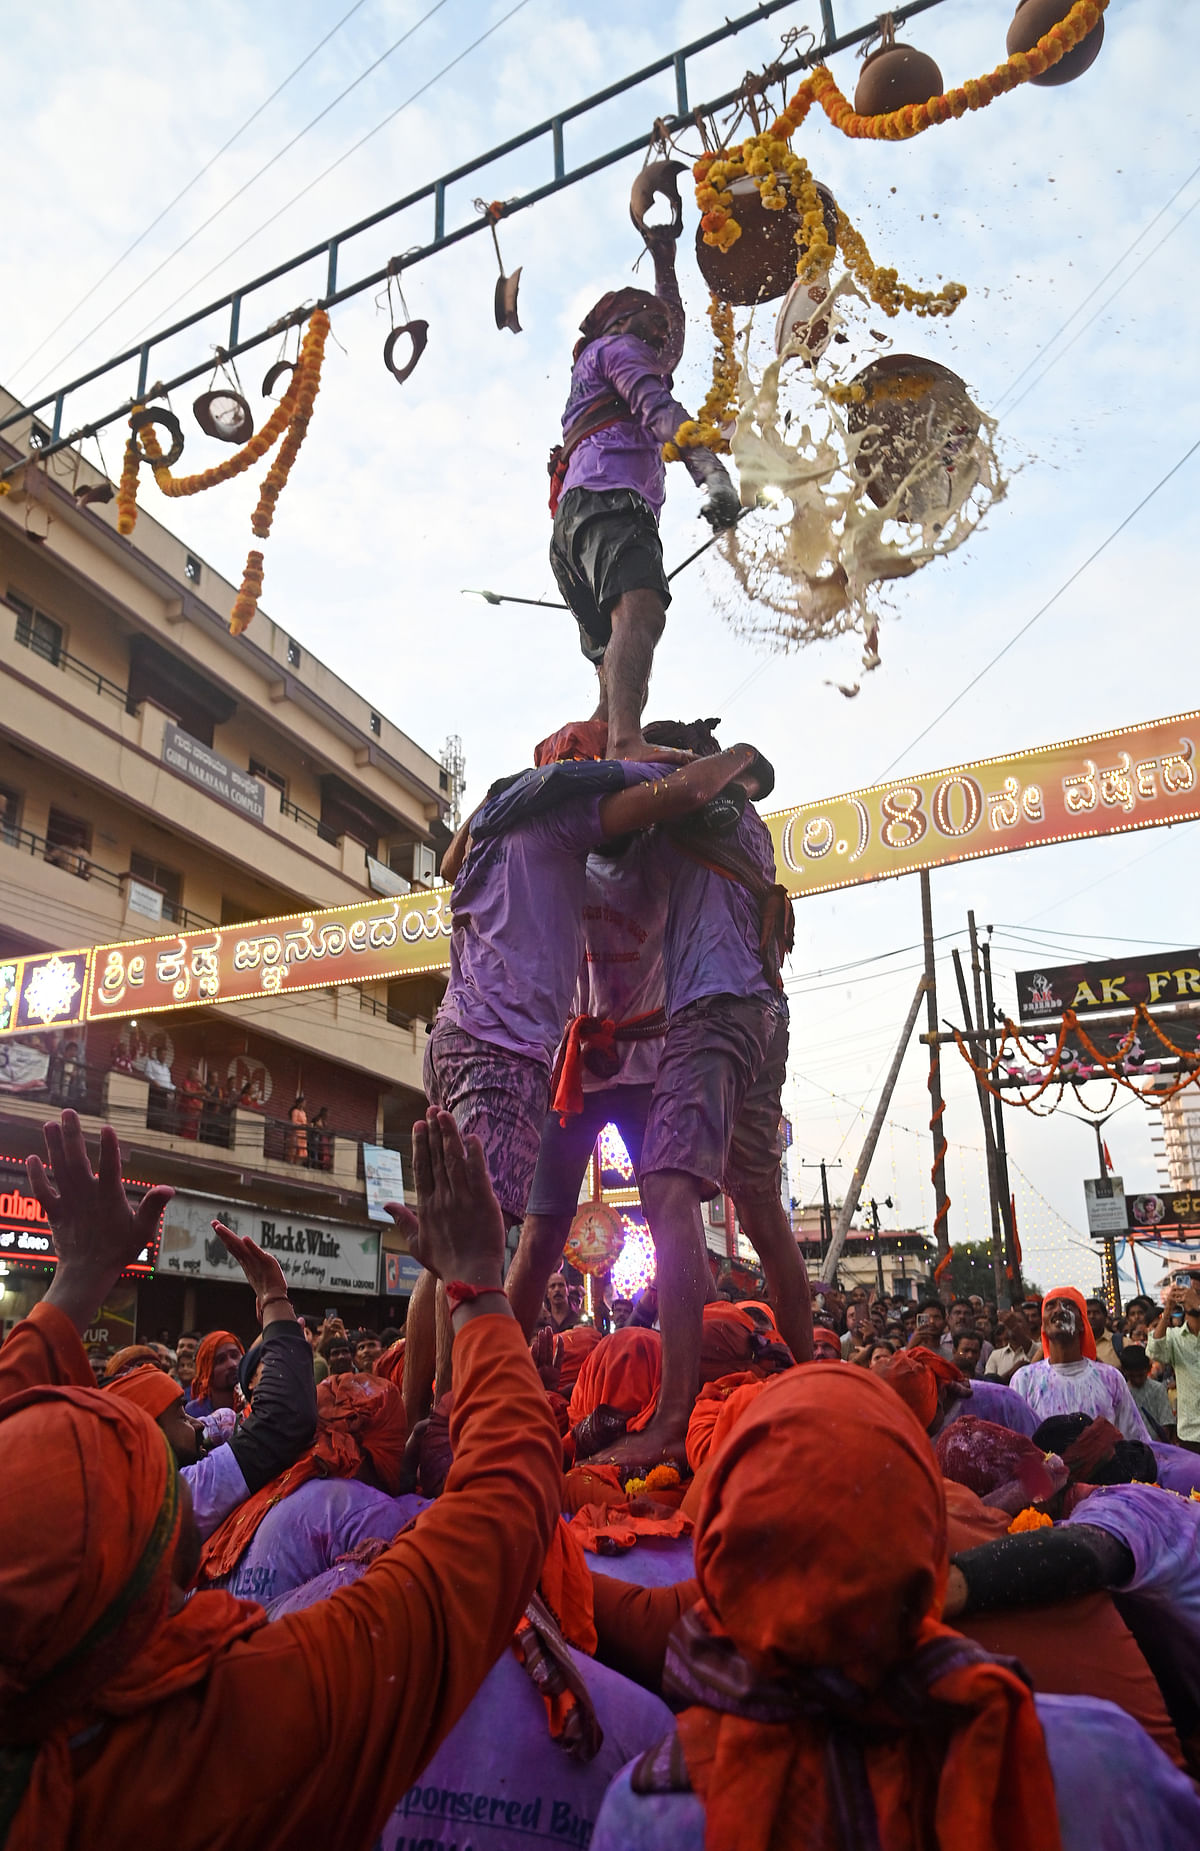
[[720, 404]]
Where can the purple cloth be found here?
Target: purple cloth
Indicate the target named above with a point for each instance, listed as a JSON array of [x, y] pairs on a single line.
[[1114, 1787], [1161, 1530], [710, 945], [652, 1562], [627, 454], [516, 942], [1178, 1469], [304, 1534], [991, 1401], [1086, 1387]]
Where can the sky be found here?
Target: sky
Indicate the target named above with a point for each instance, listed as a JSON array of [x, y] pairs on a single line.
[[1066, 212]]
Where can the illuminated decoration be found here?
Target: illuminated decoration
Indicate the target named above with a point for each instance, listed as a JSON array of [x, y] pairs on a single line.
[[1138, 777], [25, 1233], [636, 1266], [595, 1239], [9, 991], [613, 1154], [51, 990], [1063, 1066]]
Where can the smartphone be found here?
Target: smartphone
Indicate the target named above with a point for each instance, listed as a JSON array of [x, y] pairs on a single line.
[[331, 1311]]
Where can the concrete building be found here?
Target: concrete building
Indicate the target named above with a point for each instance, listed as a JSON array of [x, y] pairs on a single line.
[[158, 774], [1175, 1136]]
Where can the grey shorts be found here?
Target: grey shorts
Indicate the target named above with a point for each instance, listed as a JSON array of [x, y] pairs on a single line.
[[499, 1096], [563, 1159], [717, 1101], [605, 543]]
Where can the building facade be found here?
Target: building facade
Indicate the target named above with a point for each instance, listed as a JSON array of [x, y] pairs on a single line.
[[157, 774], [1176, 1138]]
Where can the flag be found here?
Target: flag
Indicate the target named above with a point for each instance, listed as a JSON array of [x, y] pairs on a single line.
[[1108, 1162]]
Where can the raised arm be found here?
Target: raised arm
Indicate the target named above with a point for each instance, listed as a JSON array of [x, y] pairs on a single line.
[[665, 800], [660, 242], [283, 1414]]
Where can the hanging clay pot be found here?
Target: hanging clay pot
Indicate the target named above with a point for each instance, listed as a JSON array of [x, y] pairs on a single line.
[[894, 76], [761, 265], [506, 300], [916, 422], [170, 423], [93, 496], [658, 180], [225, 415], [274, 374], [1031, 22], [418, 334], [800, 323]]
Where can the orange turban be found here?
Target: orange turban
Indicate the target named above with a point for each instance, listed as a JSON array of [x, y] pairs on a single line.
[[734, 1338], [88, 1527], [206, 1356], [916, 1375], [391, 1364], [623, 1371], [578, 1345], [711, 1403], [147, 1387], [578, 739], [1077, 1299], [360, 1419], [812, 1641], [129, 1358]]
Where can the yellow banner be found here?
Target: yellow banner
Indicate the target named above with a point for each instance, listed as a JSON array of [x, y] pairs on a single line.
[[1138, 778]]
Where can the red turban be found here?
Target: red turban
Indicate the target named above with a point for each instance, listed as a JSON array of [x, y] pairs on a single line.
[[578, 739], [612, 308], [916, 1375], [88, 1527], [1077, 1299], [827, 1346], [360, 1419], [147, 1387], [206, 1356], [734, 1338], [707, 1414], [624, 1371], [795, 1584]]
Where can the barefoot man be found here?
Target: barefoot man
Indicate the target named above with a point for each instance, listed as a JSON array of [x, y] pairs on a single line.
[[609, 483]]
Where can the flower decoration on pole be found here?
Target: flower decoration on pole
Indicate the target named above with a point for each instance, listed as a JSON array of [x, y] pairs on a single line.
[[288, 421]]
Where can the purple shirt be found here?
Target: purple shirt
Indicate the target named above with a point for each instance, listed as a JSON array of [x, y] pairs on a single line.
[[710, 945], [304, 1534], [991, 1401], [516, 941], [1086, 1387], [624, 914]]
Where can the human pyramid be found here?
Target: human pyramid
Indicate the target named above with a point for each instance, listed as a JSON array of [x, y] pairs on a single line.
[[688, 1587]]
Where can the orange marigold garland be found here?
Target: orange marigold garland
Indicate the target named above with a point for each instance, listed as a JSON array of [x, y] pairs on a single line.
[[292, 415], [1030, 1519]]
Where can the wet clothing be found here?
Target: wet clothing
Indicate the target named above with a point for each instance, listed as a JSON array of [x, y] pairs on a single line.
[[1083, 1387]]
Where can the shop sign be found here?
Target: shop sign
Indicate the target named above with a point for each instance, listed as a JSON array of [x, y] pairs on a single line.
[[1163, 980], [214, 773], [25, 1232], [316, 1255]]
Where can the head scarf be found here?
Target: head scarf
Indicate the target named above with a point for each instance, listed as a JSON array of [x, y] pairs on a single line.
[[712, 1401], [816, 1663], [623, 1371], [131, 1357], [995, 1463], [917, 1374], [391, 1364], [1077, 1299], [206, 1356], [577, 1345], [360, 1419], [826, 1345], [732, 1339], [147, 1387], [612, 308], [579, 739], [88, 1528]]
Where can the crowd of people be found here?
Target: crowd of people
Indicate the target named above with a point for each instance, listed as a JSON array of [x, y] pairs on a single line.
[[801, 1572]]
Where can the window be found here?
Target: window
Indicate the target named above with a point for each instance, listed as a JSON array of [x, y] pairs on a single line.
[[36, 631], [10, 814], [68, 841], [443, 778], [258, 770], [376, 725], [191, 569], [293, 654], [145, 868]]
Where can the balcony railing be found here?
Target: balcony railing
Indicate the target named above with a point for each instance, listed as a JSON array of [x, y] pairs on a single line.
[[308, 821], [58, 657], [60, 855]]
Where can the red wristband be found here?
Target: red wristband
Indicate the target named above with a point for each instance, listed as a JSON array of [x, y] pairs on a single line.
[[458, 1292]]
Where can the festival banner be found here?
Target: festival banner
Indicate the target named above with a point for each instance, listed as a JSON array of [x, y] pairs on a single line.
[[1163, 980], [1136, 778]]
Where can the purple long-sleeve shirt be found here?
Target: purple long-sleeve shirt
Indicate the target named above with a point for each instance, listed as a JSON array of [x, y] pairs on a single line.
[[629, 455]]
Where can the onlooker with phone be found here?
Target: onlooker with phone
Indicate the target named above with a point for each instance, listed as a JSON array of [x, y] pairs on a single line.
[[1180, 1348], [1019, 1348]]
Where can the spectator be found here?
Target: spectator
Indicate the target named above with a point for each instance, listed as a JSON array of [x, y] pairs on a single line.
[[1180, 1349], [1108, 1342], [967, 1352], [1150, 1396], [312, 1331], [963, 1318], [295, 1148], [859, 1326], [320, 1141], [339, 1356], [1019, 1348], [215, 1381], [622, 1311], [187, 1344], [558, 1304], [191, 1104], [367, 1352], [930, 1325], [1069, 1380]]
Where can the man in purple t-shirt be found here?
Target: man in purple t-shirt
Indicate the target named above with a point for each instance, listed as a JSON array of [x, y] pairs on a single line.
[[605, 549]]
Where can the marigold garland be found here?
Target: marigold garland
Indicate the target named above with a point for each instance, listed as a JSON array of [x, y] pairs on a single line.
[[1030, 1519], [292, 414], [720, 404]]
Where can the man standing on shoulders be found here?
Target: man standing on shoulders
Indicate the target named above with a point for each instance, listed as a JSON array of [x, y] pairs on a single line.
[[1069, 1380], [1180, 1349], [609, 484]]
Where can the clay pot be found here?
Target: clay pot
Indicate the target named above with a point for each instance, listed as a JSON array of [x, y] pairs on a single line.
[[894, 76], [799, 318], [170, 424], [274, 374], [1032, 20], [761, 266], [658, 180], [225, 415], [916, 416], [504, 300], [418, 333]]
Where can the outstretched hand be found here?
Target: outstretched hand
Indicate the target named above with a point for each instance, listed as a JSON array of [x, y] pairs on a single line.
[[263, 1273], [95, 1230], [458, 1229]]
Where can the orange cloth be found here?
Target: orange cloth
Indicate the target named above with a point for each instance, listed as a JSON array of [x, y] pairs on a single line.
[[578, 1344], [565, 1585], [345, 1703], [578, 739], [612, 1529], [1080, 1304], [147, 1387], [916, 1375], [43, 1350], [129, 1358], [206, 1356], [624, 1371], [391, 1364], [757, 1308], [360, 1421], [634, 1623], [88, 1529], [795, 1584], [725, 1343], [591, 1484], [710, 1404]]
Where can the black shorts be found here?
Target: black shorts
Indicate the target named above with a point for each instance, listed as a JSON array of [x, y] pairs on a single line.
[[605, 543]]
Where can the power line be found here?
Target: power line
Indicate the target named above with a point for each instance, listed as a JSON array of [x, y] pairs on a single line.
[[334, 165], [1041, 612], [182, 193], [276, 157]]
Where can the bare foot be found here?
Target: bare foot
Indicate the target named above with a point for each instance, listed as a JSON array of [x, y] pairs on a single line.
[[658, 1444], [643, 754]]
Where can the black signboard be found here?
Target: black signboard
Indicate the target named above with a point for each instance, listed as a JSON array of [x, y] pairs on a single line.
[[1166, 1213], [1162, 981]]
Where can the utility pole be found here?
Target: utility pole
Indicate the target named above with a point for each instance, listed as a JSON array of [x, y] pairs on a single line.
[[887, 1203], [989, 1136], [1013, 1258], [826, 1211], [937, 1105], [1108, 1265]]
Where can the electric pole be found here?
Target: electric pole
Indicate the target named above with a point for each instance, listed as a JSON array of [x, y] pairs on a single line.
[[887, 1203], [826, 1210]]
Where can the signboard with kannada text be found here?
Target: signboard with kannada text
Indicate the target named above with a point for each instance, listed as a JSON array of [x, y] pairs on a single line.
[[1105, 1198], [216, 774], [25, 1233]]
